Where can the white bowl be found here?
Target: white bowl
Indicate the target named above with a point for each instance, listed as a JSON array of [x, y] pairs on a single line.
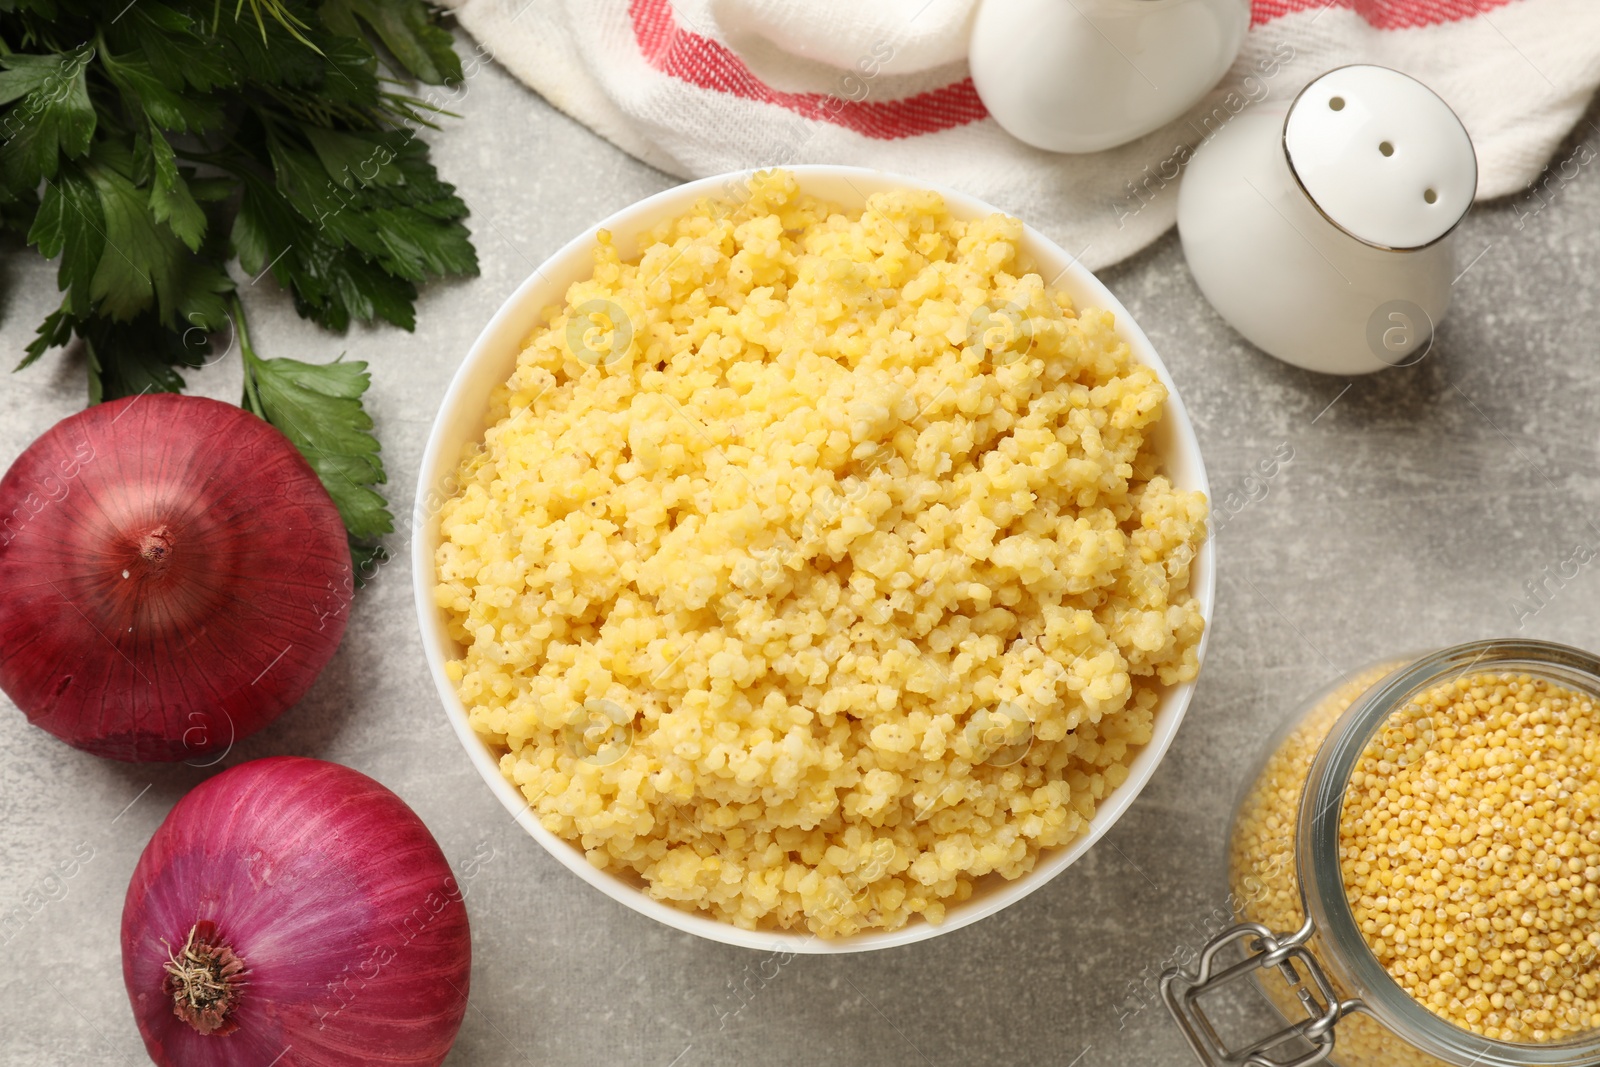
[[461, 422]]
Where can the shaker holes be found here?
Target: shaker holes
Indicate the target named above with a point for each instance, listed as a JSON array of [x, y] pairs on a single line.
[[1337, 103], [1431, 197], [1386, 148]]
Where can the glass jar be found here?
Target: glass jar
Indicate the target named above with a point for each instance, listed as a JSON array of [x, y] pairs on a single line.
[[1301, 940]]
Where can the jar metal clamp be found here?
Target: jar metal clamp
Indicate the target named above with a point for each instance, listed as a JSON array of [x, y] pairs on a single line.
[[1182, 990]]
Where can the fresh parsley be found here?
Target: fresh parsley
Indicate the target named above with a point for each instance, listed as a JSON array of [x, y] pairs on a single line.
[[146, 149]]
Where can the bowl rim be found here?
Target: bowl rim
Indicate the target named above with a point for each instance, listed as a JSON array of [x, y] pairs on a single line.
[[625, 225]]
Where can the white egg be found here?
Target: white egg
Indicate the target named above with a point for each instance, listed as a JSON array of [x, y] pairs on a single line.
[[1091, 74]]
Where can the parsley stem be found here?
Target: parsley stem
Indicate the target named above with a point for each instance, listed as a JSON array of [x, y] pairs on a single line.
[[252, 395]]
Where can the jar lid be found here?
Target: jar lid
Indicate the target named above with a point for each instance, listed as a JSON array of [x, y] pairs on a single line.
[[1381, 156]]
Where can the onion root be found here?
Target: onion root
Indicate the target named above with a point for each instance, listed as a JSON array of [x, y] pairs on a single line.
[[205, 980]]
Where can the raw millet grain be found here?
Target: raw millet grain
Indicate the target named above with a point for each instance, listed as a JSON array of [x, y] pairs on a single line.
[[1470, 853], [1470, 845]]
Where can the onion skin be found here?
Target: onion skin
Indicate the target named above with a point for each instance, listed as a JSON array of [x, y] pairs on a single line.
[[173, 576], [337, 899]]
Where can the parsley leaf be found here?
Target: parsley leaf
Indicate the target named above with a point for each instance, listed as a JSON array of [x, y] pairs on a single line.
[[138, 356], [404, 237], [421, 46], [330, 284], [366, 559], [318, 407], [166, 105], [55, 118], [171, 201], [23, 74], [164, 38], [71, 225], [144, 259], [53, 332]]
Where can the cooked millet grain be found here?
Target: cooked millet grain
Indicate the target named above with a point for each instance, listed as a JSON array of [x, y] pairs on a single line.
[[763, 611]]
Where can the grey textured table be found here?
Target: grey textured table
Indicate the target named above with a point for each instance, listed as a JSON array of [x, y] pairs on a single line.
[[1416, 505]]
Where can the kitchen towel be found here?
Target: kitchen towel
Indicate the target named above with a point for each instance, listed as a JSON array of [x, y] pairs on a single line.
[[699, 87]]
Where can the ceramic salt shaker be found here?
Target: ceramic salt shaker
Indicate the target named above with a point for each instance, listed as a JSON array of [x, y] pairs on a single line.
[[1084, 75], [1323, 234]]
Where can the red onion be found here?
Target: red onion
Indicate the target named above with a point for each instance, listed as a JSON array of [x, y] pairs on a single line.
[[172, 577], [294, 904]]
